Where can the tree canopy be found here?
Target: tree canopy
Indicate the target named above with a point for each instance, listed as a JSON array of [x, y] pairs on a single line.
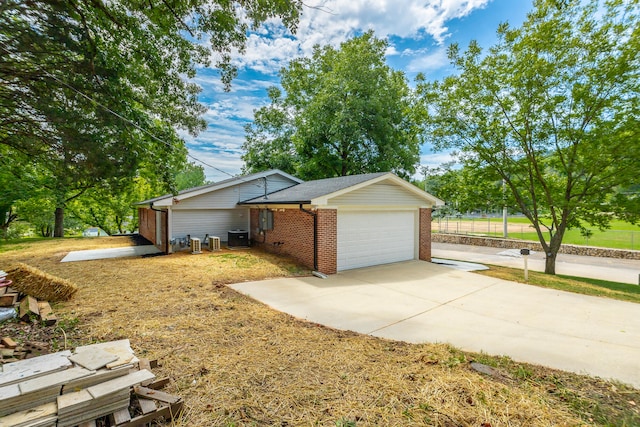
[[466, 189], [92, 91], [340, 112], [553, 110]]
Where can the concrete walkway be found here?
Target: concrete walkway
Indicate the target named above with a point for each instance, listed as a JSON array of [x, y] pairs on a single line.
[[127, 251], [614, 269], [421, 302]]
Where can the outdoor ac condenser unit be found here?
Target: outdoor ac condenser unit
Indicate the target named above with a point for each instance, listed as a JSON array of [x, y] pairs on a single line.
[[196, 247], [214, 243]]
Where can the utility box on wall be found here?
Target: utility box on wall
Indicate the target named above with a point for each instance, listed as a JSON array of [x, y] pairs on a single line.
[[265, 219]]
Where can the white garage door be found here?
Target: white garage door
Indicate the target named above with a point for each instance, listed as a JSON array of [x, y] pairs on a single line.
[[369, 238]]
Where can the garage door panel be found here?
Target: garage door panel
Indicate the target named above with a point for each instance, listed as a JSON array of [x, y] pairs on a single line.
[[369, 238]]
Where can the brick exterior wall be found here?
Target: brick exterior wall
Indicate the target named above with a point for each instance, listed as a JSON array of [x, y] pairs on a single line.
[[424, 250], [147, 224], [327, 241], [292, 234], [147, 227]]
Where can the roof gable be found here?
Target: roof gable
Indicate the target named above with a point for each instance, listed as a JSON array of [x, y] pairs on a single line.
[[170, 199]]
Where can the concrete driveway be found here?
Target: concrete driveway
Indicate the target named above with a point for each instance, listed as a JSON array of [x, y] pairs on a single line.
[[421, 302]]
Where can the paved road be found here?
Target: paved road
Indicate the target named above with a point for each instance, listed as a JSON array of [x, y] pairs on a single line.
[[614, 269], [419, 302]]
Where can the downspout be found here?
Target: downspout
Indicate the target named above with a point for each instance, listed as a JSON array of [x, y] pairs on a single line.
[[315, 236], [169, 230], [154, 209]]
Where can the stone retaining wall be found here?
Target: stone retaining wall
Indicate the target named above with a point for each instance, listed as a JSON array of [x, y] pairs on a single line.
[[534, 246]]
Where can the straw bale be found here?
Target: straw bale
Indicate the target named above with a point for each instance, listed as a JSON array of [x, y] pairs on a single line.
[[40, 285]]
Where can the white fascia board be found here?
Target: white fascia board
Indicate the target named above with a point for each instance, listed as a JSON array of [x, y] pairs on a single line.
[[324, 200], [163, 203]]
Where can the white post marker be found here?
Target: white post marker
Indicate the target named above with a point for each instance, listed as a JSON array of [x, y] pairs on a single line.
[[525, 254]]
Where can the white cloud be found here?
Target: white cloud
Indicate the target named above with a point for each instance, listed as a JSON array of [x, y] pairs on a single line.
[[218, 152], [435, 159], [331, 22], [427, 60], [267, 54], [219, 147]]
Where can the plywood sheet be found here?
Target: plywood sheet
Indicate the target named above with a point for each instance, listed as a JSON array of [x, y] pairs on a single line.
[[95, 359]]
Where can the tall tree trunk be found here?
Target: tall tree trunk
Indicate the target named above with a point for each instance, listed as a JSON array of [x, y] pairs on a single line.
[[6, 218], [58, 228], [554, 247], [550, 263]]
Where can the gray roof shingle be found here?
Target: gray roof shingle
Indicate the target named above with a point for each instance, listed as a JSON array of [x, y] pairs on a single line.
[[306, 191]]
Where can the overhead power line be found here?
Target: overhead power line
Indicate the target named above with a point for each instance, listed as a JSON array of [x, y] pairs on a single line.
[[140, 128]]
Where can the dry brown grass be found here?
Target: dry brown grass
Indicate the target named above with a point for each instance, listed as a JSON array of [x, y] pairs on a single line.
[[237, 362]]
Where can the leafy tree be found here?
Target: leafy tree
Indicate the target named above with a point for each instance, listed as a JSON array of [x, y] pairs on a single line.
[[191, 175], [553, 110], [464, 189], [112, 208], [343, 111], [269, 139], [92, 90], [18, 181], [38, 211]]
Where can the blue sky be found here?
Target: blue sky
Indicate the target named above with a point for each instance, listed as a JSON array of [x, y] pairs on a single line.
[[418, 31]]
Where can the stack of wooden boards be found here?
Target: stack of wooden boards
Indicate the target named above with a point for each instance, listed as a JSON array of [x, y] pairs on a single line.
[[39, 311], [30, 307], [75, 389]]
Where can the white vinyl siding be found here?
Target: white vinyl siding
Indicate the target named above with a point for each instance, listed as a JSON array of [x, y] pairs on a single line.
[[227, 198], [379, 194], [253, 189], [368, 238], [214, 222]]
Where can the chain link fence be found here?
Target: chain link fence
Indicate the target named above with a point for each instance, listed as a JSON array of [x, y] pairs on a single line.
[[493, 227]]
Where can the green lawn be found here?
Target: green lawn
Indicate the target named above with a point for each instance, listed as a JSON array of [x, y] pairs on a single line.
[[579, 285], [619, 239], [615, 224]]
